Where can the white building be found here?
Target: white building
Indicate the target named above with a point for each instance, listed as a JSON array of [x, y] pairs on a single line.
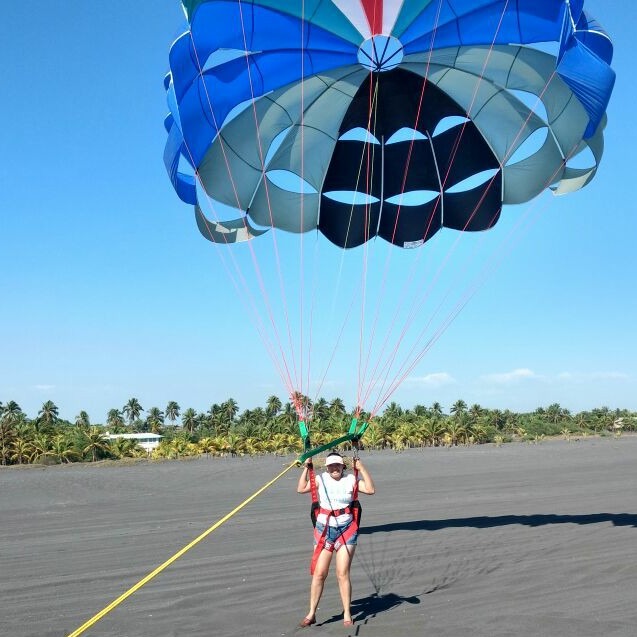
[[147, 441]]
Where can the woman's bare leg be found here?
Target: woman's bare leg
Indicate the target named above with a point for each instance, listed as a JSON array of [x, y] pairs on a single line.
[[321, 570], [344, 557]]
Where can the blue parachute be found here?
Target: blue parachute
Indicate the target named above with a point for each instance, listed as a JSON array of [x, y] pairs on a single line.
[[365, 118]]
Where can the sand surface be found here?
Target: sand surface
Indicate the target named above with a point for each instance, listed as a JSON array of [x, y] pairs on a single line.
[[524, 540]]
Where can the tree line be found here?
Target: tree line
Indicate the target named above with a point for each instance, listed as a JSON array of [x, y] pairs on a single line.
[[272, 428]]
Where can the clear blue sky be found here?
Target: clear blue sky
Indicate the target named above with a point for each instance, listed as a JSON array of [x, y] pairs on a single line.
[[109, 291]]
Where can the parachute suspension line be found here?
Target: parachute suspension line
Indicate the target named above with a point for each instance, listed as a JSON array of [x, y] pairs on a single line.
[[400, 375], [374, 323], [372, 128], [514, 236], [280, 366], [336, 345], [301, 211], [310, 334], [373, 101], [383, 368], [415, 307], [512, 145], [403, 296], [286, 377], [275, 245], [372, 109], [369, 177], [245, 294], [456, 144], [391, 358], [453, 313], [469, 293], [84, 627], [247, 299], [339, 276], [415, 127]]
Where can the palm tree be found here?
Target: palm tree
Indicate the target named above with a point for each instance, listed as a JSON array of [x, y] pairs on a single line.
[[420, 410], [155, 419], [125, 448], [214, 419], [172, 412], [496, 419], [288, 417], [478, 432], [202, 421], [132, 409], [373, 437], [511, 420], [11, 410], [273, 406], [337, 408], [62, 449], [9, 416], [39, 446], [436, 410], [251, 422], [458, 408], [115, 420], [431, 430], [384, 431], [189, 420], [95, 443], [179, 446], [209, 446], [393, 412], [20, 451], [554, 413], [603, 418], [581, 420], [401, 438], [82, 420], [320, 409], [234, 444], [230, 410], [475, 411], [456, 430], [48, 414]]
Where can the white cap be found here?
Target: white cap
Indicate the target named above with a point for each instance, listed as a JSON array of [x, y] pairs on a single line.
[[333, 459]]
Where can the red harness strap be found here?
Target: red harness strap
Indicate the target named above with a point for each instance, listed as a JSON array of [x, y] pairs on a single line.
[[354, 508], [314, 493]]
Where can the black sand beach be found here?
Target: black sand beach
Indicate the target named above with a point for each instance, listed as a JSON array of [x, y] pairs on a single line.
[[524, 540]]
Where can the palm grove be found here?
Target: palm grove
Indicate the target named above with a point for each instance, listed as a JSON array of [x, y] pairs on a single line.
[[225, 430]]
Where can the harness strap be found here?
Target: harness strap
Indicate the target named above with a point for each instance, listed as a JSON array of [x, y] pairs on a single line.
[[344, 535], [314, 508], [336, 512]]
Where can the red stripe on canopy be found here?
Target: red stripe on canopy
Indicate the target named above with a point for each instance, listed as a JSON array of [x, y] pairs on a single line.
[[374, 13]]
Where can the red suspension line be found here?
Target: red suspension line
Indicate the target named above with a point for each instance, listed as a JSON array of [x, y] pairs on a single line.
[[381, 296], [456, 145], [267, 196], [265, 297], [506, 245]]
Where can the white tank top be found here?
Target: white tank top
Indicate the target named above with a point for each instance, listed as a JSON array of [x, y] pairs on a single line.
[[334, 495]]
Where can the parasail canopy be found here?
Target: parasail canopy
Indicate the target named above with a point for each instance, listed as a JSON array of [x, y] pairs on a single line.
[[365, 118]]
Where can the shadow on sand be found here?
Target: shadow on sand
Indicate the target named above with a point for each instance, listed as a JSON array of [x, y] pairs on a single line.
[[368, 607], [486, 522]]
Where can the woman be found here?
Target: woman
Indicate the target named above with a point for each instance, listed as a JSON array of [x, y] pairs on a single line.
[[336, 529]]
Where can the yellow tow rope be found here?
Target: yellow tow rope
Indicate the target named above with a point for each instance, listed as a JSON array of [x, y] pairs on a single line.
[[175, 557]]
